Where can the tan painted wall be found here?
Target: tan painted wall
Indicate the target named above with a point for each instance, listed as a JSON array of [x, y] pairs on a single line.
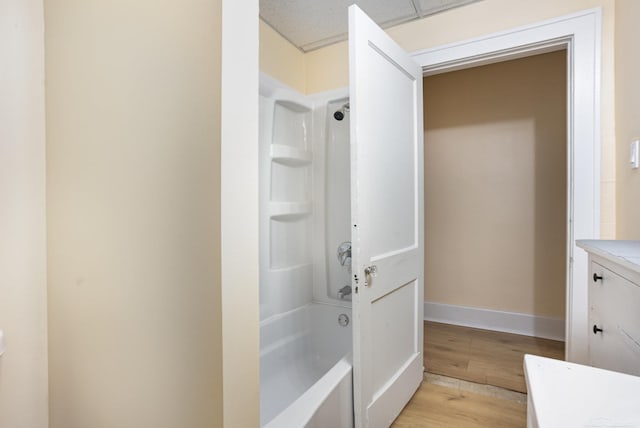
[[327, 68], [281, 60], [495, 186], [627, 117], [23, 312], [133, 200]]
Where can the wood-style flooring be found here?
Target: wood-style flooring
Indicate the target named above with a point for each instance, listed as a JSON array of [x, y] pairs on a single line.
[[474, 378], [439, 406], [483, 356]]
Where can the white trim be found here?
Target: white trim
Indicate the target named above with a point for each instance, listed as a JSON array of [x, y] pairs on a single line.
[[488, 319], [238, 226], [580, 34]]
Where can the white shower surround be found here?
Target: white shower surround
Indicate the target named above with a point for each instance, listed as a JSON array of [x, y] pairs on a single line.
[[301, 218], [306, 369]]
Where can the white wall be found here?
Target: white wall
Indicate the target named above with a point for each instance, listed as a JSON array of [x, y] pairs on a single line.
[[23, 313]]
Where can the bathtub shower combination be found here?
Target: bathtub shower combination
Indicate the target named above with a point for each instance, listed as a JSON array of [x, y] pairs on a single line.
[[341, 217], [305, 259]]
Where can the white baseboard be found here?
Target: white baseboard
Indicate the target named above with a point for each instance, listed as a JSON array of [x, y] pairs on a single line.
[[508, 322]]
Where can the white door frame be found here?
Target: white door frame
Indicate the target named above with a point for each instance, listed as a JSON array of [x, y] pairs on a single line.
[[580, 34]]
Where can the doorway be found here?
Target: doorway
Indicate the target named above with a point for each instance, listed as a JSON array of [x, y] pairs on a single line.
[[496, 195], [580, 34]]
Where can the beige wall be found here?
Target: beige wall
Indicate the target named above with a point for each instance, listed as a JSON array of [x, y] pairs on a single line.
[[627, 116], [23, 312], [133, 200], [495, 186], [327, 68], [281, 60]]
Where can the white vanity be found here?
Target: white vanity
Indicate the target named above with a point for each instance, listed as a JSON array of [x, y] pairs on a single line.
[[614, 304], [563, 394]]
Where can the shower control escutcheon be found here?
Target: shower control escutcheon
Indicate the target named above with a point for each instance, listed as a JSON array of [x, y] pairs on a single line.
[[344, 253]]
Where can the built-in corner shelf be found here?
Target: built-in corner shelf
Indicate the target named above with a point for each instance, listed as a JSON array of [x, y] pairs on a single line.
[[290, 156], [286, 179], [287, 211]]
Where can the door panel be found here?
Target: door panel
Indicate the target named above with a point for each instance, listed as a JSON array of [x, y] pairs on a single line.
[[390, 194], [391, 354], [387, 222]]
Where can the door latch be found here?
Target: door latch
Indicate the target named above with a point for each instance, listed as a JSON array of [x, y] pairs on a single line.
[[370, 272]]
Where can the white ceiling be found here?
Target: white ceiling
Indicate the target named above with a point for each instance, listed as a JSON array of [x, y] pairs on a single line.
[[311, 24]]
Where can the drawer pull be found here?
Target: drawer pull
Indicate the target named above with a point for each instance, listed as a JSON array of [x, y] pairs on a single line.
[[596, 329], [596, 277]]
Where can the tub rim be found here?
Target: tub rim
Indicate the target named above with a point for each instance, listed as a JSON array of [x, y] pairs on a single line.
[[300, 412]]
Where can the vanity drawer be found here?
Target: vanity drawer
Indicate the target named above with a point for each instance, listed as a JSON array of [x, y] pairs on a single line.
[[614, 307]]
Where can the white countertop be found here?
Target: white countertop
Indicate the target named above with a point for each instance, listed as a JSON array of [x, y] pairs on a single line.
[[624, 253], [567, 395]]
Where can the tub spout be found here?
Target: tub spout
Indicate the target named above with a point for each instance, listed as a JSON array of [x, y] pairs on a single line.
[[344, 291]]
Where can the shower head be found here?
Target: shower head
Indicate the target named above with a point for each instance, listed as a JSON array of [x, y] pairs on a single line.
[[339, 114]]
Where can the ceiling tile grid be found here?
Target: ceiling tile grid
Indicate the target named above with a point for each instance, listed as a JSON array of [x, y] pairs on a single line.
[[311, 24]]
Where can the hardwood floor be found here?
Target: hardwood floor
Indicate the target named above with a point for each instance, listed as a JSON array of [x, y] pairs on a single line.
[[474, 378], [483, 356], [439, 406]]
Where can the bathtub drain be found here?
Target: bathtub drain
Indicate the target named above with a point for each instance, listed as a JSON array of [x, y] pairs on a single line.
[[343, 320]]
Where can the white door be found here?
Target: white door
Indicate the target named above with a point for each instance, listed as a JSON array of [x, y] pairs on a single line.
[[387, 222]]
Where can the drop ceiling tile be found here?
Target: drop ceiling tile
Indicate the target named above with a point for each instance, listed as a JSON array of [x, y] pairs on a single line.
[[312, 23], [429, 7]]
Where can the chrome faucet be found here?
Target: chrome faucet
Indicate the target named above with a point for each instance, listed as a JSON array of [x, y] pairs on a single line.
[[344, 254], [344, 292]]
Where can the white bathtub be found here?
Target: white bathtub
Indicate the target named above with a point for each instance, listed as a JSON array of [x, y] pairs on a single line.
[[305, 369]]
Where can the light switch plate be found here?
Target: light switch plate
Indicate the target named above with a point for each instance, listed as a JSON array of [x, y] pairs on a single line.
[[635, 154]]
